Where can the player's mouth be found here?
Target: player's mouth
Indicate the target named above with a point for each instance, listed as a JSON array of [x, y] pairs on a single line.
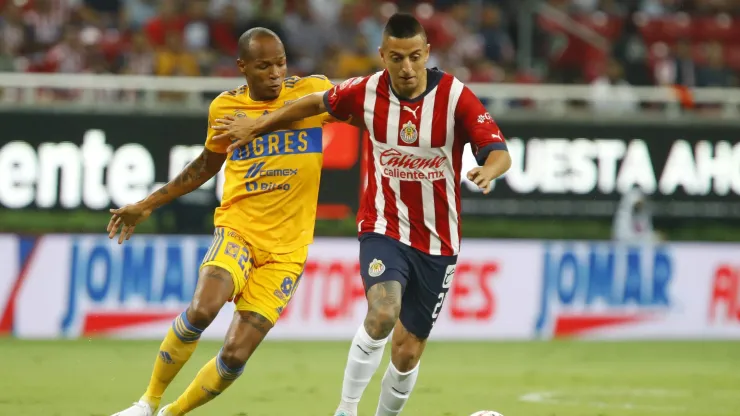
[[274, 88], [408, 80]]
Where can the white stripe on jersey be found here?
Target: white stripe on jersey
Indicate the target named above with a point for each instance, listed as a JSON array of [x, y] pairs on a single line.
[[455, 91], [427, 188], [391, 138], [369, 109]]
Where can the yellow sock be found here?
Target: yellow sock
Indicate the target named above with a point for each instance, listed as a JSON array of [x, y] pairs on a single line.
[[210, 381], [174, 352]]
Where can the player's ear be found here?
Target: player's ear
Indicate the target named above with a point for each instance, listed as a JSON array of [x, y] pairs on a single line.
[[426, 58], [241, 65], [382, 56]]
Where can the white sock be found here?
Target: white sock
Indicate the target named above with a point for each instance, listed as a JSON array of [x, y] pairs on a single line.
[[395, 390], [363, 361]]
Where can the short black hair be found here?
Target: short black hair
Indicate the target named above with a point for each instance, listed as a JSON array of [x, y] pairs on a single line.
[[254, 33], [404, 26]]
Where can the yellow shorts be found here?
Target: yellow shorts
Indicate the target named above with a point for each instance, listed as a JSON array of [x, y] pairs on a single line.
[[264, 282]]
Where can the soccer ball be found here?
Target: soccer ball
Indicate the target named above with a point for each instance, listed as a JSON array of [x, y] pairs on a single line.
[[486, 413]]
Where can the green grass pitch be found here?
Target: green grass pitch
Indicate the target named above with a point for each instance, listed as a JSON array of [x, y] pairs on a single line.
[[99, 377]]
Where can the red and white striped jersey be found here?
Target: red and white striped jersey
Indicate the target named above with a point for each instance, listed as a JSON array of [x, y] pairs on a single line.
[[415, 155]]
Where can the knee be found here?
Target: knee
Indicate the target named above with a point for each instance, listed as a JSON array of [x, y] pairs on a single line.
[[406, 353], [202, 312], [381, 320]]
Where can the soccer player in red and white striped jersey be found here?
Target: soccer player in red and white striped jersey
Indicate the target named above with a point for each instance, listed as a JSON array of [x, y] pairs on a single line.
[[419, 121]]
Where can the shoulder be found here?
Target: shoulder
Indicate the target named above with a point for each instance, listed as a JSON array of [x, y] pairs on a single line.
[[310, 83], [229, 97], [233, 93], [360, 83]]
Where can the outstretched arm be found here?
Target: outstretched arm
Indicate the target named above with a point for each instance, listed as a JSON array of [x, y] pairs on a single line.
[[195, 174], [245, 129]]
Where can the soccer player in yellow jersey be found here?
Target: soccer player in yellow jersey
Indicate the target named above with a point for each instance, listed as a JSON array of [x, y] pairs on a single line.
[[263, 226]]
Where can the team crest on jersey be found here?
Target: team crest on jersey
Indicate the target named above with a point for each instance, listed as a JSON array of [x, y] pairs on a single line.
[[409, 133], [376, 268], [239, 114]]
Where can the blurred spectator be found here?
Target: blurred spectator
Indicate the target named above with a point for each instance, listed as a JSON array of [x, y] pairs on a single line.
[[46, 24], [343, 33], [633, 221], [225, 31], [498, 45], [630, 49], [678, 69], [355, 62], [305, 30], [7, 61], [14, 33], [69, 55], [476, 41], [167, 20], [714, 73], [372, 28], [136, 13], [611, 93], [139, 58], [174, 60]]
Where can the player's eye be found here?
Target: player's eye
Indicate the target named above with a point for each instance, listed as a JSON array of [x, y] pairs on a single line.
[[415, 58]]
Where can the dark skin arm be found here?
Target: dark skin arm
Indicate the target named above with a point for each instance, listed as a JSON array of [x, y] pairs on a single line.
[[195, 174]]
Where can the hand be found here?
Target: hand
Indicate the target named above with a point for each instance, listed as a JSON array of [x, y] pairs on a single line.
[[129, 216], [242, 129], [482, 177]]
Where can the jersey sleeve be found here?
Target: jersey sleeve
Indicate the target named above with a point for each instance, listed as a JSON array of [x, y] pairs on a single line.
[[216, 110], [320, 83], [345, 99], [478, 126]]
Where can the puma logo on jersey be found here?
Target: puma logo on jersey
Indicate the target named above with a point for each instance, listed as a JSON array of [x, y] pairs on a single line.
[[410, 110]]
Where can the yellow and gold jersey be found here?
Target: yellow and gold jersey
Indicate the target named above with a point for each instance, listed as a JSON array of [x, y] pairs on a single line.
[[271, 185]]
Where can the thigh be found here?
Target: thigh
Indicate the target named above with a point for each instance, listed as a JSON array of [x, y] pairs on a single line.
[[382, 260], [430, 281], [272, 283], [231, 252]]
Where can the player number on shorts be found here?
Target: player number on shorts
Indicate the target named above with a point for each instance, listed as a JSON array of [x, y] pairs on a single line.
[[446, 284], [243, 258]]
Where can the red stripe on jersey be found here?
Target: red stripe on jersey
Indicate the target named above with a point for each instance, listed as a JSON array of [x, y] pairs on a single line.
[[380, 112], [439, 122], [457, 151], [369, 213], [419, 235], [390, 213], [441, 215]]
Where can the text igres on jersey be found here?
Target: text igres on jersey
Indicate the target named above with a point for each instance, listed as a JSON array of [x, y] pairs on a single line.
[[287, 142]]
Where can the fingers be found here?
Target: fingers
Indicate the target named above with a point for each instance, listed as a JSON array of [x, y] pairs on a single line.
[[488, 188], [113, 226], [221, 127], [222, 136], [230, 117], [126, 233], [473, 173], [225, 121], [111, 222], [482, 181], [237, 144]]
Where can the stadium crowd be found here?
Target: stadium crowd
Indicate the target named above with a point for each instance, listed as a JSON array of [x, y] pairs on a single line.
[[640, 42]]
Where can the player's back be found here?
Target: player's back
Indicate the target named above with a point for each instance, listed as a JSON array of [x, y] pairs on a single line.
[[271, 185]]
